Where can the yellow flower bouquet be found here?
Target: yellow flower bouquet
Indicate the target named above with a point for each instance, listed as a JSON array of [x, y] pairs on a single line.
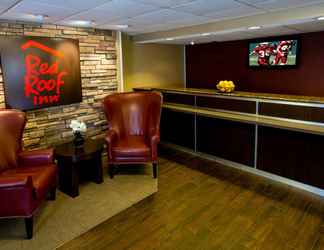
[[225, 86]]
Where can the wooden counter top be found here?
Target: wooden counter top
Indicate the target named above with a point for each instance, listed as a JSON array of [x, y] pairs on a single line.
[[242, 94]]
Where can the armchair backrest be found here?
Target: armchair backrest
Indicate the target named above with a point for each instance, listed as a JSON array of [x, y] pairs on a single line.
[[12, 124], [133, 113]]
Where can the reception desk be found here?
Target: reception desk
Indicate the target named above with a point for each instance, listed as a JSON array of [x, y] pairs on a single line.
[[278, 136]]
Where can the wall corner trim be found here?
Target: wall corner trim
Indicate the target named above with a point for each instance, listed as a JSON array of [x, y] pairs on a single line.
[[120, 62]]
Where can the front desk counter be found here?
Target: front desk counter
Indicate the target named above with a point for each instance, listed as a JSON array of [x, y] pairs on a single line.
[[272, 135]]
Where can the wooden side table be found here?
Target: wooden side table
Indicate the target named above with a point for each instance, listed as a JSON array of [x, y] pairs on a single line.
[[74, 163]]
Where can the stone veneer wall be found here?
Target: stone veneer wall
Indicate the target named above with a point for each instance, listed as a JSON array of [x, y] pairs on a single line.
[[48, 127]]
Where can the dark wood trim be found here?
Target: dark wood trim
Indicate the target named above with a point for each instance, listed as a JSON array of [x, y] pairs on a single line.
[[68, 177], [155, 170], [97, 171], [111, 170], [52, 194], [29, 225]]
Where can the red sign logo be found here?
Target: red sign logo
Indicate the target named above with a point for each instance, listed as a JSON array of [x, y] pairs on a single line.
[[43, 81]]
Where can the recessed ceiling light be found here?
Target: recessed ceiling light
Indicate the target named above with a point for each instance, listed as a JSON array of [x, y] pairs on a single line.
[[254, 28], [40, 16], [205, 34], [169, 39], [81, 22], [192, 43], [321, 18], [115, 26], [122, 26], [27, 17]]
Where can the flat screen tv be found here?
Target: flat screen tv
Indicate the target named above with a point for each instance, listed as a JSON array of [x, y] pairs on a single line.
[[274, 53]]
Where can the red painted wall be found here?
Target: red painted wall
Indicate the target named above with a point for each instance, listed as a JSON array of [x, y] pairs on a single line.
[[207, 64]]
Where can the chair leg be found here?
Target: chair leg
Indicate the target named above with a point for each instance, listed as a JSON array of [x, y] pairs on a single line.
[[155, 170], [52, 194], [111, 170], [29, 224]]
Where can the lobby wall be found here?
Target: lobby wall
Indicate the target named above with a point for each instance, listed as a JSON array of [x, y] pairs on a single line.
[[152, 65], [49, 126], [206, 64]]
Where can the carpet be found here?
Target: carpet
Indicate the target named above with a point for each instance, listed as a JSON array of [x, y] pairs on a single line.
[[59, 221]]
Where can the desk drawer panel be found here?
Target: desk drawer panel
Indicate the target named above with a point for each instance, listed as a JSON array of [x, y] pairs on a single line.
[[227, 104], [179, 98], [304, 113]]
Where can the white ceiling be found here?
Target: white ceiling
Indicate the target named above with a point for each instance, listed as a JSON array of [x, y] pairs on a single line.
[[145, 16], [243, 33]]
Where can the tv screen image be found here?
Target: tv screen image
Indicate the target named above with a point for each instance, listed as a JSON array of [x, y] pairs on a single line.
[[273, 53]]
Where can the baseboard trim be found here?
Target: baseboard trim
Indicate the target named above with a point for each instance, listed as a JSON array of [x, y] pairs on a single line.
[[252, 170]]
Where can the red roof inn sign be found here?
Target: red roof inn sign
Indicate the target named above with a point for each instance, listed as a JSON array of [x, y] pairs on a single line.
[[40, 72]]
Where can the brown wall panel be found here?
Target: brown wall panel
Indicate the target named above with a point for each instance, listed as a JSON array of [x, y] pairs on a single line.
[[207, 64]]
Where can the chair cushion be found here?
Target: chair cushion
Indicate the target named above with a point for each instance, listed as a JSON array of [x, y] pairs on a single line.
[[44, 177], [132, 146]]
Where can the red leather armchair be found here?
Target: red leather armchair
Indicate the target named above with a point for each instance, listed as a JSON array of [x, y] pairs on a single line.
[[26, 177], [134, 128]]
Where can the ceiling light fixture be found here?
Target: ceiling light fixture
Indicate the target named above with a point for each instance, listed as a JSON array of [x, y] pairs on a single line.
[[254, 28], [192, 43], [81, 22], [205, 34], [169, 39], [115, 26], [321, 18], [40, 16], [121, 26]]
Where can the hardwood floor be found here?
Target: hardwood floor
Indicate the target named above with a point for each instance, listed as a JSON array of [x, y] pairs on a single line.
[[214, 208]]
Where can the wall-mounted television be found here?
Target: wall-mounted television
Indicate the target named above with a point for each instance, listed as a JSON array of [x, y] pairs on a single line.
[[274, 53]]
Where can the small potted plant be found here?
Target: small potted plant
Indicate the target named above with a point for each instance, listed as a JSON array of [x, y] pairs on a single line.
[[78, 128]]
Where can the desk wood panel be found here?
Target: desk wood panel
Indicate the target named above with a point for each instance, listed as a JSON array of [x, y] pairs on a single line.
[[226, 139], [294, 155], [304, 113], [178, 128], [227, 104], [179, 98]]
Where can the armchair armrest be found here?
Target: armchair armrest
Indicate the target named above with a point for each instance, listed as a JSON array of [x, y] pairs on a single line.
[[110, 139], [15, 181], [36, 157], [17, 195]]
